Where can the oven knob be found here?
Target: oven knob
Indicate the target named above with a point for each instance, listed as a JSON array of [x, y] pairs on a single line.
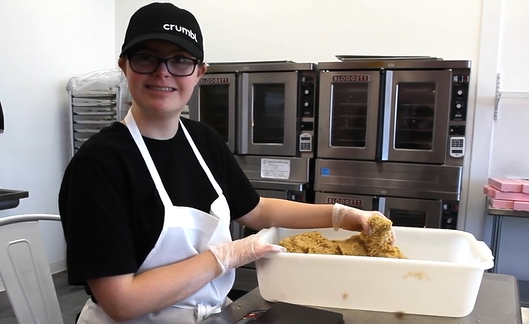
[[459, 92], [306, 104], [459, 106], [307, 92]]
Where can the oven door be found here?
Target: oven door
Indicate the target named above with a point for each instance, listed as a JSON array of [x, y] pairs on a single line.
[[348, 114], [213, 102], [408, 212], [418, 109], [268, 116], [411, 212]]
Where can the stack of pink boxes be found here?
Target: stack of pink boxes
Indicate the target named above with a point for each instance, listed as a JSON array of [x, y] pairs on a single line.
[[508, 193]]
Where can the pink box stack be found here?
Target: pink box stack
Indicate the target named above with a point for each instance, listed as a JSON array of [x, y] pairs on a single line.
[[508, 193]]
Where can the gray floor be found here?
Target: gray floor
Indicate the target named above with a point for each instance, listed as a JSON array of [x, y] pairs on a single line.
[[71, 300]]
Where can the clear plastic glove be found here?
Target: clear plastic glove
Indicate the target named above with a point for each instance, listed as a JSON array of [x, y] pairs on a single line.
[[240, 252], [354, 219]]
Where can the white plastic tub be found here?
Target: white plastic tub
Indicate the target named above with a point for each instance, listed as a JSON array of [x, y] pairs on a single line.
[[441, 277]]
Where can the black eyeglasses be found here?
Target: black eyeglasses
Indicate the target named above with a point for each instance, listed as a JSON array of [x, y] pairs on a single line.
[[177, 65]]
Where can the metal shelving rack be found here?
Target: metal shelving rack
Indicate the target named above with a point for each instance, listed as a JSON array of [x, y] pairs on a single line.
[[506, 95], [96, 100]]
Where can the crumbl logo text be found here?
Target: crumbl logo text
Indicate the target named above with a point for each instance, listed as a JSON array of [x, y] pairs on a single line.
[[182, 30]]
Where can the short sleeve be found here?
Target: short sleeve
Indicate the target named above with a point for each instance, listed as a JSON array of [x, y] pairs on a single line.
[[97, 229]]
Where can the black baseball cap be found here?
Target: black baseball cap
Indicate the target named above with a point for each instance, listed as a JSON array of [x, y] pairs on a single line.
[[164, 21]]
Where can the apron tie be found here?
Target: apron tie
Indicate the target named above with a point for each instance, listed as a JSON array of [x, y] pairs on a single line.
[[202, 311]]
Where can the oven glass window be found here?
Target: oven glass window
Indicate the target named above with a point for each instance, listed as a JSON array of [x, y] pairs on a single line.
[[410, 218], [415, 116], [349, 114], [214, 107], [268, 113]]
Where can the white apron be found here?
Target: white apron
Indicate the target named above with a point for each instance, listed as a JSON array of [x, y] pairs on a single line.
[[186, 232]]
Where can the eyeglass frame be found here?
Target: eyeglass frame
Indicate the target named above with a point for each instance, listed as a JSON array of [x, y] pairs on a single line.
[[164, 61]]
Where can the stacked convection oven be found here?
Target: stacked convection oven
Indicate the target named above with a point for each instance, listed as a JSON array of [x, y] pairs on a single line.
[[392, 137], [266, 112]]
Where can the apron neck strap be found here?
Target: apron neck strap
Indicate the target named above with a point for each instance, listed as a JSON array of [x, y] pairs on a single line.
[[130, 122], [136, 135], [201, 161]]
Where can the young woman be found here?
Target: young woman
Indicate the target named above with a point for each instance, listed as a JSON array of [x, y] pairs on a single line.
[[146, 203]]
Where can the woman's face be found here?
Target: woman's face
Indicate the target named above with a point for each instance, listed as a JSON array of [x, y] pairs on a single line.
[[160, 91]]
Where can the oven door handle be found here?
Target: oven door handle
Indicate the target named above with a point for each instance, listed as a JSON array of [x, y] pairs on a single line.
[[379, 203], [1, 119], [386, 96], [245, 115]]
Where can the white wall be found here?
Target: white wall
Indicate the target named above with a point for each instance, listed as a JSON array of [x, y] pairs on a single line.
[[318, 30], [510, 143], [42, 45], [514, 51]]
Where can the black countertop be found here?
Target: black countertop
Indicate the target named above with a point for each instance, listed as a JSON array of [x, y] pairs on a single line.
[[497, 303]]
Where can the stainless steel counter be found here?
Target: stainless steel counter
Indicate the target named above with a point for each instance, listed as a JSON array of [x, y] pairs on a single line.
[[497, 302]]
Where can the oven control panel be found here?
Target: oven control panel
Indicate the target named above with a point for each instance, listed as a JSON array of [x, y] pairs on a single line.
[[458, 109], [457, 146], [449, 217], [456, 142], [305, 142], [306, 112], [307, 92]]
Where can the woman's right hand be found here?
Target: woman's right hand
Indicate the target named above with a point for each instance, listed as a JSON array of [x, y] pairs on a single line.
[[355, 219], [234, 254]]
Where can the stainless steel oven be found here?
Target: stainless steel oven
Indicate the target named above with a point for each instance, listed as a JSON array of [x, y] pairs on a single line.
[[298, 187], [260, 108], [409, 194], [393, 110], [392, 136]]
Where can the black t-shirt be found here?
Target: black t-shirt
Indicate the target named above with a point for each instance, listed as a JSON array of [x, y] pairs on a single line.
[[111, 212]]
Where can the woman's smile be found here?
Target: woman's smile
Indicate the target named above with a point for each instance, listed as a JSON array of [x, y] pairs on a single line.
[[162, 89]]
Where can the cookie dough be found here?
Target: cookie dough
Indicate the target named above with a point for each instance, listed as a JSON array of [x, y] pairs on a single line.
[[376, 244]]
